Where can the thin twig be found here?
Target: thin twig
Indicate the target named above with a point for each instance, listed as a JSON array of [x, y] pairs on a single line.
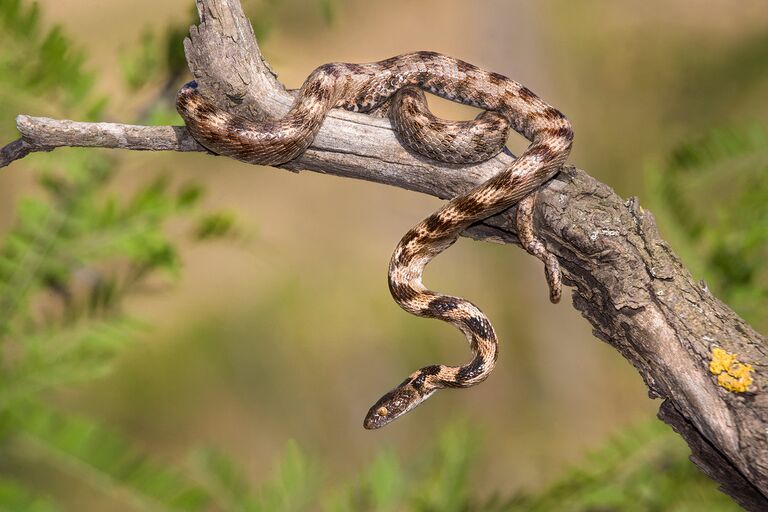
[[45, 134]]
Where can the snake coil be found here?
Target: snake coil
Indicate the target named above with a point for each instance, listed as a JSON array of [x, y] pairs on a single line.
[[401, 79]]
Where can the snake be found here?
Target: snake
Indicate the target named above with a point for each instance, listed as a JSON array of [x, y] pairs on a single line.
[[399, 83]]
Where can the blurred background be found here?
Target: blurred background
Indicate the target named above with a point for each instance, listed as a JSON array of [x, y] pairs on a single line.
[[267, 329]]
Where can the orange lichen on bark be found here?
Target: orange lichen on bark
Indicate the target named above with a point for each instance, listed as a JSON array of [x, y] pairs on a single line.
[[732, 374]]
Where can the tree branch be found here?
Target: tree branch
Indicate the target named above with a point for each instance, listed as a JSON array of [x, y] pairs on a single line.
[[44, 134], [627, 282]]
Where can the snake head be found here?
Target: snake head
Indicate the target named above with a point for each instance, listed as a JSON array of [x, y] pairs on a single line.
[[410, 393]]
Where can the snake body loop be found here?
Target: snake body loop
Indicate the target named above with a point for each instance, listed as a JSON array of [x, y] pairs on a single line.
[[456, 142], [362, 87]]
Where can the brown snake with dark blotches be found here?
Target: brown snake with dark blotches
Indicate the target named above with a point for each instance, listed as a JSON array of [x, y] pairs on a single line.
[[364, 87]]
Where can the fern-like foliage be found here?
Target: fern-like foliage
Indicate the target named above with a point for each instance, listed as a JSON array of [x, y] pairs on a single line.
[[14, 497], [53, 357], [226, 482], [71, 257], [103, 458], [643, 468], [36, 62]]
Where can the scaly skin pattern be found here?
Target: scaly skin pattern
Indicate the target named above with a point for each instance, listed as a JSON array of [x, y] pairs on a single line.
[[362, 87], [456, 142]]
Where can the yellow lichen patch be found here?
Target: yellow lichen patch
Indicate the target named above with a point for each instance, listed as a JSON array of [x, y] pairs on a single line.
[[732, 374]]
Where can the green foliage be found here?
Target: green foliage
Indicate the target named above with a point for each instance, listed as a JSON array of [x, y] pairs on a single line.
[[98, 455], [81, 232], [158, 56], [643, 468], [215, 225], [16, 498], [224, 480], [328, 10], [72, 256], [385, 480], [53, 356], [446, 484], [293, 486], [37, 62], [64, 270], [141, 63], [713, 191]]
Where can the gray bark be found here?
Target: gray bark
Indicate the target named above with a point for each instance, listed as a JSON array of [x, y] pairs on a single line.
[[626, 280]]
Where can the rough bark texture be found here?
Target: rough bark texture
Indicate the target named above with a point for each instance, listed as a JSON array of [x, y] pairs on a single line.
[[626, 281]]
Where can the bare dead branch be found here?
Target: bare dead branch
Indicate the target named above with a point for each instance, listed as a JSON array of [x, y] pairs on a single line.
[[44, 134], [626, 280], [16, 150]]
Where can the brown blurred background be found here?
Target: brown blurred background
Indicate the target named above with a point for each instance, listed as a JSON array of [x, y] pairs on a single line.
[[293, 334]]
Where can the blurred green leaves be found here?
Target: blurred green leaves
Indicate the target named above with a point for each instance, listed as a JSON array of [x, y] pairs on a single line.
[[215, 225], [141, 64], [157, 57], [386, 480], [74, 253], [102, 458], [437, 479], [293, 486], [226, 482], [54, 357], [82, 236], [36, 62], [643, 468], [447, 484], [14, 497], [714, 193]]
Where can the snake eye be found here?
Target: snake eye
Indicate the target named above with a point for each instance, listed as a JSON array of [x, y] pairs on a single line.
[[382, 411]]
